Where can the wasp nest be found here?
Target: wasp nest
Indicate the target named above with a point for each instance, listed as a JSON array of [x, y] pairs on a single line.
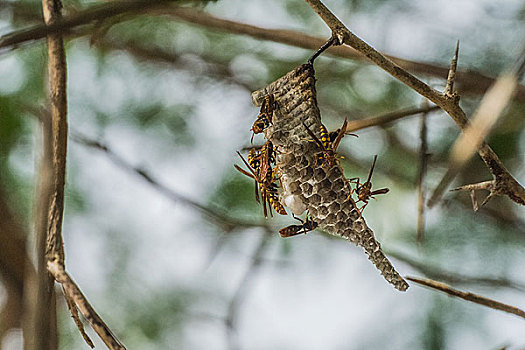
[[306, 186]]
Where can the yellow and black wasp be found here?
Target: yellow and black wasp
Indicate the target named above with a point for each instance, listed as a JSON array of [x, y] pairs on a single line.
[[264, 119], [332, 135], [364, 191], [328, 156], [265, 185], [266, 159], [307, 225]]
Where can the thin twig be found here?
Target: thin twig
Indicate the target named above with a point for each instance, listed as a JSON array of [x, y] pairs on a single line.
[[161, 55], [94, 13], [455, 277], [509, 186], [74, 313], [386, 118], [73, 292], [422, 169], [242, 289], [478, 299], [227, 223]]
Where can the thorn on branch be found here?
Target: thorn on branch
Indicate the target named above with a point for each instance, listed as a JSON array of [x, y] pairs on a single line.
[[490, 186], [475, 206], [449, 88]]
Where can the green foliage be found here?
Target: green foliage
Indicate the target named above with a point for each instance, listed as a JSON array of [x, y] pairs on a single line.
[[236, 195]]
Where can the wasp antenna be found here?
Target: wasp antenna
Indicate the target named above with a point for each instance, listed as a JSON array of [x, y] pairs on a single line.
[[340, 135], [246, 163], [316, 139], [372, 169]]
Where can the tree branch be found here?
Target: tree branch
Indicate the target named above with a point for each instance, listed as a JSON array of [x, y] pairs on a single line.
[[58, 100], [94, 13], [386, 118], [54, 199], [478, 299], [455, 277], [481, 124], [74, 294], [40, 325], [470, 82], [510, 186], [226, 222]]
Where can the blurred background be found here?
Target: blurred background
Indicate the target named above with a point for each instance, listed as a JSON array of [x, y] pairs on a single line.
[[164, 236]]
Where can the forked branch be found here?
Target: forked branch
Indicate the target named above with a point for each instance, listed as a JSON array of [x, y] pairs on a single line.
[[489, 111], [54, 204], [509, 186]]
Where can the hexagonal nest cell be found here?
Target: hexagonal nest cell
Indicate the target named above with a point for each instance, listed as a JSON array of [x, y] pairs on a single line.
[[324, 191]]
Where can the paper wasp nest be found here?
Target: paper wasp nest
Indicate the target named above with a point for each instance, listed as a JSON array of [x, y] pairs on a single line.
[[325, 193]]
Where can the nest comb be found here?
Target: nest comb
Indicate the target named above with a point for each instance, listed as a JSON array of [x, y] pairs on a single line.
[[323, 192]]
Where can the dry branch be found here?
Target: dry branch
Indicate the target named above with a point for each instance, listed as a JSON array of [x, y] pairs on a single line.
[[478, 299], [73, 293], [147, 53], [54, 178], [454, 277], [95, 13], [507, 184], [386, 118], [489, 111], [58, 99], [471, 82]]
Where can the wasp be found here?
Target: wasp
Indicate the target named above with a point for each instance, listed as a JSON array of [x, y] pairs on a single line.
[[266, 159], [328, 156], [333, 134], [265, 185], [364, 191], [254, 156], [264, 119], [307, 225]]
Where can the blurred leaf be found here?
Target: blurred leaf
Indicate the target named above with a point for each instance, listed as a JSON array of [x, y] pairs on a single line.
[[236, 194]]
